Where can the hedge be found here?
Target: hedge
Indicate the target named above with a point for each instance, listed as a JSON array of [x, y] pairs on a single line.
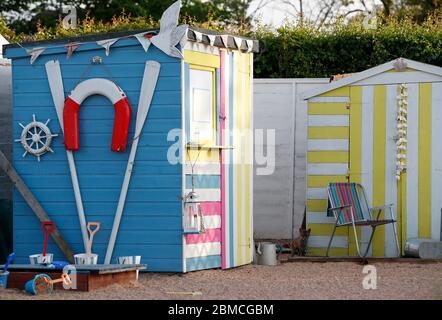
[[301, 52]]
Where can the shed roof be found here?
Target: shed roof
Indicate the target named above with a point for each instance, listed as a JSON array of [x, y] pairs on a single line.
[[222, 40], [396, 64]]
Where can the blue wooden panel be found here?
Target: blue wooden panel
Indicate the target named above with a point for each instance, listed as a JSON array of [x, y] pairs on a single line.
[[29, 166], [45, 100], [92, 112], [126, 84], [110, 194], [151, 225], [74, 72], [203, 181], [208, 262], [161, 209]]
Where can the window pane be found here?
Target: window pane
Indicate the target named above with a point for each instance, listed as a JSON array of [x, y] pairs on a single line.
[[201, 104]]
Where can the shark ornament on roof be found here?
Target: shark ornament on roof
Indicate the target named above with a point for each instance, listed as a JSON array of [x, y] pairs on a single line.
[[170, 34]]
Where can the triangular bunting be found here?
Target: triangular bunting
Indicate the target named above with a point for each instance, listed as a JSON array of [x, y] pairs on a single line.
[[106, 44], [198, 36], [212, 39], [71, 47], [34, 53], [238, 42], [143, 40], [225, 39], [249, 45]]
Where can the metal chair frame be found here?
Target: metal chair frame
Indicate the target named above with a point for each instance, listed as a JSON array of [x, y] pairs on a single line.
[[337, 211]]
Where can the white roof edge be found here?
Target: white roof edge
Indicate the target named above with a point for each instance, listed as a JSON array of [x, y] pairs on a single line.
[[369, 73]]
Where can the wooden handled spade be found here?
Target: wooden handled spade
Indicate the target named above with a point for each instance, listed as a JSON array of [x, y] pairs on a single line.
[[48, 227], [92, 228]]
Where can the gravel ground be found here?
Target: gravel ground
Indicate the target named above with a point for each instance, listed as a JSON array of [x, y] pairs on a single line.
[[293, 280]]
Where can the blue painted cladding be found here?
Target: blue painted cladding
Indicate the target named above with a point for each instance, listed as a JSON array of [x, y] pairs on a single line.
[[151, 224]]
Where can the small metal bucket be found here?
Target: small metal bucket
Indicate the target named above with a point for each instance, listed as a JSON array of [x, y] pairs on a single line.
[[41, 259], [86, 259], [267, 254]]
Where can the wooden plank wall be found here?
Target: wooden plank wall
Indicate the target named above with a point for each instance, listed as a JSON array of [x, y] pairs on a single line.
[[151, 223]]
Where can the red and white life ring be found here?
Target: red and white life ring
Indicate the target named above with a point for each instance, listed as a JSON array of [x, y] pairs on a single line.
[[105, 88]]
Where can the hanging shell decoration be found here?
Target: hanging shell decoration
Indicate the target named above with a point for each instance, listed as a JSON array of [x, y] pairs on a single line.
[[36, 138], [401, 142]]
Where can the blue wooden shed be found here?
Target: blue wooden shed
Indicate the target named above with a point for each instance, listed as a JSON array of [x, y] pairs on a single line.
[[203, 90]]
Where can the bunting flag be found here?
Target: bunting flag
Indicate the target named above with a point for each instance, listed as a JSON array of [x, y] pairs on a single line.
[[198, 36], [34, 53], [71, 47], [225, 39], [249, 46], [212, 39], [144, 40], [238, 42], [106, 44]]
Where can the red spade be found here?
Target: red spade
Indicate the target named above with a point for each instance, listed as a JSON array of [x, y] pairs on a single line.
[[48, 227]]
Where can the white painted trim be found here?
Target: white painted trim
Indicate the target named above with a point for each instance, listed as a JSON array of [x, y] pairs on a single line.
[[317, 193], [369, 73], [212, 168], [322, 242], [329, 100], [207, 195], [324, 169], [183, 156], [202, 48], [327, 145], [398, 78], [367, 133], [412, 208], [319, 218], [436, 161], [390, 168], [203, 249], [328, 121]]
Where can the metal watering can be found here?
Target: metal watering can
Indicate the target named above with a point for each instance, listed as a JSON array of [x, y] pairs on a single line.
[[266, 254]]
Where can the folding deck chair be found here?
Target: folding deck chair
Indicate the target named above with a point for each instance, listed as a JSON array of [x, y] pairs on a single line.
[[348, 204]]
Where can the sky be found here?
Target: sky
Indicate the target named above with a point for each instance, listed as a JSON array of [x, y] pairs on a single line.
[[276, 13]]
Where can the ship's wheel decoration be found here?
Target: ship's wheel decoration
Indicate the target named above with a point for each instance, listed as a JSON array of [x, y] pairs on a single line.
[[36, 138]]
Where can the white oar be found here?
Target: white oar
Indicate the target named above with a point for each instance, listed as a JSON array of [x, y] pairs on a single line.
[[150, 77], [56, 84]]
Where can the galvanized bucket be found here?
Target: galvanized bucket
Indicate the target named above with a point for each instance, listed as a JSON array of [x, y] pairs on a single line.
[[267, 254]]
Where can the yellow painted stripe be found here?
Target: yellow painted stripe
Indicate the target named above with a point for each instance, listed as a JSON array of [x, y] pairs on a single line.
[[323, 108], [202, 59], [327, 133], [339, 92], [355, 150], [424, 183], [323, 181], [327, 157], [316, 205], [322, 229], [203, 155], [320, 252], [239, 191], [247, 166], [379, 138]]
